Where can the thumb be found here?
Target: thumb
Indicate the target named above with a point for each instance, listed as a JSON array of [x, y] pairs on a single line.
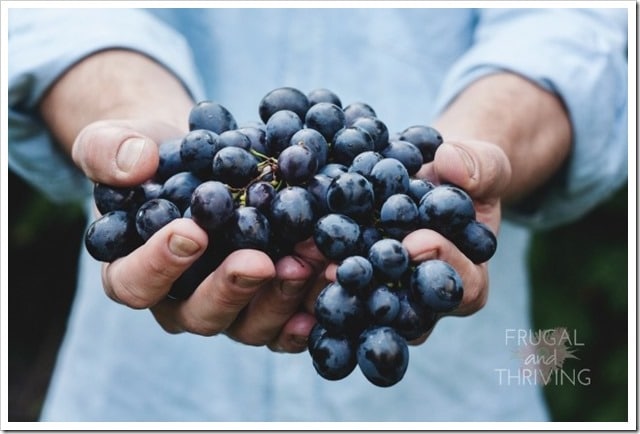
[[482, 169], [120, 153]]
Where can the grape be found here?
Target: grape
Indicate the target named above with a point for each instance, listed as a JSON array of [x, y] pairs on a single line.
[[425, 138], [292, 214], [436, 285], [334, 357], [351, 194], [383, 355], [446, 209], [383, 305], [313, 140], [281, 126], [257, 138], [412, 321], [398, 216], [357, 110], [179, 188], [337, 236], [354, 273], [326, 118], [318, 186], [212, 116], [476, 241], [153, 215], [234, 138], [339, 311], [248, 228], [297, 164], [234, 166], [333, 170], [364, 162], [348, 143], [388, 176], [377, 130], [211, 205], [108, 198], [259, 195], [112, 236], [197, 150], [283, 98], [323, 95], [389, 259], [169, 160], [406, 153], [418, 188]]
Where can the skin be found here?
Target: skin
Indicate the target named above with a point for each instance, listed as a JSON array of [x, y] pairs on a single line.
[[504, 138]]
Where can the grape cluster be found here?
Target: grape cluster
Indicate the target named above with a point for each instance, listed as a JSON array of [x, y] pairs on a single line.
[[310, 168]]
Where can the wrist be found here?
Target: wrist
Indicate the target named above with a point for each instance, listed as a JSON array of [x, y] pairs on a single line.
[[529, 124]]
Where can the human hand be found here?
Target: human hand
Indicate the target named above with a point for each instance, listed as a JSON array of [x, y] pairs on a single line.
[[483, 170], [248, 297]]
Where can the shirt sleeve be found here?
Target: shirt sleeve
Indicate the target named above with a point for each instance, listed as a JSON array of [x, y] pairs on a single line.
[[580, 55], [43, 44]]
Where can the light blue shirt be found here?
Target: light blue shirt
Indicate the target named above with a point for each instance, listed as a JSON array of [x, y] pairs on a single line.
[[408, 64]]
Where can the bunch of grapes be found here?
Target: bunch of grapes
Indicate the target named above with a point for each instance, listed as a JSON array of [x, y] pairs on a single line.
[[310, 168]]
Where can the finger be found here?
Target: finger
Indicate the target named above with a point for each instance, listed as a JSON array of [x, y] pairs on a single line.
[[220, 298], [425, 244], [144, 277], [120, 153], [294, 336], [263, 318]]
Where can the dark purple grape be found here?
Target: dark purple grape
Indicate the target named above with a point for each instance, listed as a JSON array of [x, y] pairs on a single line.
[[369, 235], [248, 228], [112, 236], [283, 98], [339, 311], [197, 149], [333, 170], [436, 285], [412, 321], [323, 95], [211, 205], [297, 164], [234, 138], [364, 162], [337, 236], [349, 142], [257, 137], [259, 195], [388, 176], [383, 305], [377, 130], [326, 118], [281, 126], [446, 209], [419, 187], [357, 110], [398, 216], [383, 355], [426, 139], [109, 198], [234, 166], [313, 140], [389, 259], [351, 194], [333, 356], [178, 189], [292, 214], [405, 152], [317, 187], [169, 160], [153, 215], [152, 189], [212, 116], [476, 241], [354, 273]]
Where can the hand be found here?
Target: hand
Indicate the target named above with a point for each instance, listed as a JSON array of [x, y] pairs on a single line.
[[247, 297], [482, 170]]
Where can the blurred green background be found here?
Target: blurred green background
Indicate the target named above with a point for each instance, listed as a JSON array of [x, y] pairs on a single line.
[[579, 280]]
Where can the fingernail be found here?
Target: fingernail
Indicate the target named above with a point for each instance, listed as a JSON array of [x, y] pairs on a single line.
[[292, 287], [182, 246], [248, 282], [468, 162], [299, 340], [129, 153]]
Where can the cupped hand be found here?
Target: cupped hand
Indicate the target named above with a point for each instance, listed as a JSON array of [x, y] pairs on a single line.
[[248, 297]]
